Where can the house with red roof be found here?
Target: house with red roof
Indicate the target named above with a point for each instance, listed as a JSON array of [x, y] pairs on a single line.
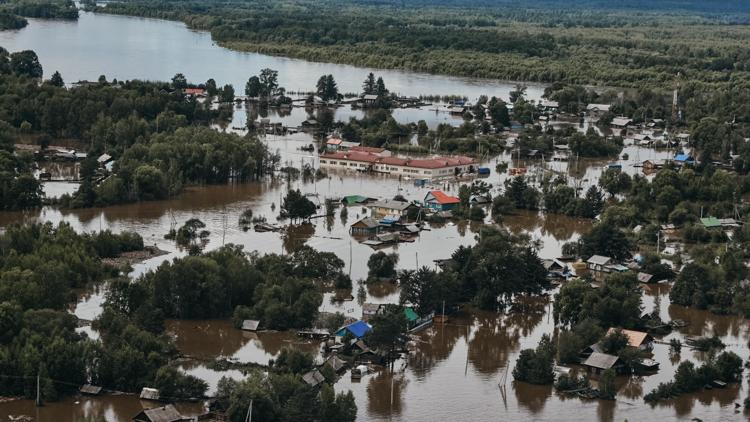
[[440, 201]]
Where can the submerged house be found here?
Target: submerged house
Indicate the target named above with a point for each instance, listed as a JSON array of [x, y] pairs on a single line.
[[313, 378], [166, 413], [440, 201], [601, 266], [390, 207], [358, 329], [636, 339], [366, 226], [599, 362]]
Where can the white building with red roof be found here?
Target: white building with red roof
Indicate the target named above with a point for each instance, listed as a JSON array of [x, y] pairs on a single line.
[[380, 161]]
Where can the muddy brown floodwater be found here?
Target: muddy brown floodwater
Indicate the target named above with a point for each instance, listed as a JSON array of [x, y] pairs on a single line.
[[456, 370]]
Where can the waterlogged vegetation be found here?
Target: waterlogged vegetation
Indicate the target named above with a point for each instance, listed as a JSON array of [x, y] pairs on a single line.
[[548, 43]]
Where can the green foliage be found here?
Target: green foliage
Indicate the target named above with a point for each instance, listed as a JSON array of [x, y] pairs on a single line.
[[296, 206], [521, 193], [294, 361], [535, 366], [427, 290], [11, 21], [726, 367], [614, 342], [607, 388], [389, 330], [607, 240], [382, 265], [174, 384], [44, 9], [616, 304]]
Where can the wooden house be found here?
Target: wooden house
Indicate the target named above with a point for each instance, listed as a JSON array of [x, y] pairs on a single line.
[[440, 201], [636, 339], [367, 226], [600, 362], [166, 413], [313, 378]]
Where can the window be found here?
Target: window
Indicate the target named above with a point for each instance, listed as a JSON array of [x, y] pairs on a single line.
[[323, 162]]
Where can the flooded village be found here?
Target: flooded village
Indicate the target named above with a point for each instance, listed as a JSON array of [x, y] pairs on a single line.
[[386, 212]]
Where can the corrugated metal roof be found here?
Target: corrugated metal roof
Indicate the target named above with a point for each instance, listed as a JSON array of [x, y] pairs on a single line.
[[601, 360]]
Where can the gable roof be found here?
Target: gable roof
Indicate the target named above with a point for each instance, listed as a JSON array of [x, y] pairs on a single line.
[[599, 260], [645, 277], [599, 107], [711, 222], [392, 205], [166, 413], [601, 360], [314, 378], [411, 316], [357, 328], [635, 338], [336, 363], [441, 197], [367, 222]]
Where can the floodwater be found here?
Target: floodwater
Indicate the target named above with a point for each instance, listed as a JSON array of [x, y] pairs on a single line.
[[139, 48], [459, 371]]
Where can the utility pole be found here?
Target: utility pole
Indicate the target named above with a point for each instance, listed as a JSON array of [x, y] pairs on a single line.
[[38, 391], [249, 416]]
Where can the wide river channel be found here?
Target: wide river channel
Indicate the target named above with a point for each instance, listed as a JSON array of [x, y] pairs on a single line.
[[458, 369]]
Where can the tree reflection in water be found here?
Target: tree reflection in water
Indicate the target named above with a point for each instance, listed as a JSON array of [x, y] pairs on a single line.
[[379, 393], [532, 397], [295, 236]]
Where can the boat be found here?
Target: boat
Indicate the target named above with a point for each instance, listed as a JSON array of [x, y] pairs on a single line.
[[265, 227]]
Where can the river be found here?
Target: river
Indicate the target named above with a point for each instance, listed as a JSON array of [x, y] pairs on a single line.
[[457, 369]]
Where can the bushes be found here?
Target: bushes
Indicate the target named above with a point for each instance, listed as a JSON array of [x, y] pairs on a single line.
[[175, 385], [382, 266], [726, 367]]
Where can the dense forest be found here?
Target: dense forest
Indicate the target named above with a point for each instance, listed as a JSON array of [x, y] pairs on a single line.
[[600, 46]]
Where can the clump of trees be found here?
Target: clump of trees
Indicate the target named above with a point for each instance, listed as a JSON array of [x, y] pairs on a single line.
[[297, 206], [535, 366], [688, 378], [381, 266]]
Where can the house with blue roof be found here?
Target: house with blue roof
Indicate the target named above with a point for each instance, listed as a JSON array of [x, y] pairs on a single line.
[[684, 159], [358, 329]]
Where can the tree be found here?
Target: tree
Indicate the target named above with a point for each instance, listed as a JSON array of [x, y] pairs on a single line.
[[56, 80], [389, 330], [326, 88], [607, 240], [614, 342], [535, 366], [427, 290], [499, 112], [607, 388], [297, 206], [380, 89], [226, 95], [368, 86], [269, 82], [179, 81], [174, 384], [211, 88], [293, 360], [150, 183], [614, 181], [382, 265], [253, 87], [518, 93], [26, 63]]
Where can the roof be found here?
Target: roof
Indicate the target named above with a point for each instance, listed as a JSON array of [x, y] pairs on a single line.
[[357, 328], [601, 360], [104, 158], [371, 308], [354, 199], [314, 378], [411, 315], [711, 222], [370, 97], [392, 204], [645, 277], [599, 107], [441, 197], [149, 393], [683, 157], [90, 389], [367, 222], [336, 363], [368, 155], [599, 260], [194, 91], [250, 324], [166, 413], [635, 338], [621, 121], [334, 141]]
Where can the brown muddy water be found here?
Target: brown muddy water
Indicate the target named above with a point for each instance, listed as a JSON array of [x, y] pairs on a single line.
[[456, 370]]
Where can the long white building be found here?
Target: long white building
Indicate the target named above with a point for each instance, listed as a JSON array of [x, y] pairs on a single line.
[[430, 168]]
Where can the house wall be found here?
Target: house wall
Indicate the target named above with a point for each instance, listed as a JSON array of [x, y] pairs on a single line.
[[394, 169]]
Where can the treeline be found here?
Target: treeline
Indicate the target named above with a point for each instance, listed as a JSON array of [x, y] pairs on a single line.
[[552, 46], [11, 21], [43, 9]]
